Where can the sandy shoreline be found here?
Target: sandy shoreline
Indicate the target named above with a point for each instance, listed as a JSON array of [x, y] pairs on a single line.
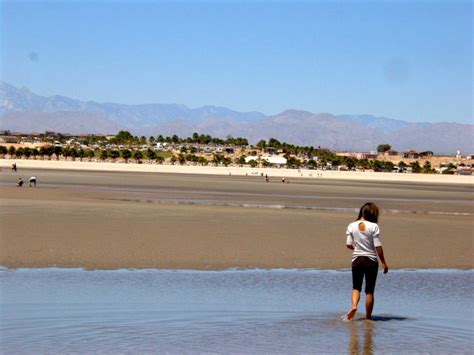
[[5, 164], [111, 220]]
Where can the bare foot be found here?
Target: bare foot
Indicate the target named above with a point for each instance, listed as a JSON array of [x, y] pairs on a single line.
[[350, 315]]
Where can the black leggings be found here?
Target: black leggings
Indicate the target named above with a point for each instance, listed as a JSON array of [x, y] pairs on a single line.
[[364, 266]]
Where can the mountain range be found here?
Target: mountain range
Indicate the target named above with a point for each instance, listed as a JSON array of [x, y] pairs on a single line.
[[24, 111]]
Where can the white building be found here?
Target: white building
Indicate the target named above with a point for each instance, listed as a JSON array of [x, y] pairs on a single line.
[[271, 160]]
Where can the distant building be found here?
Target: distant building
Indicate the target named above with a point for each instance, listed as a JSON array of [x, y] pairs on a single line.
[[272, 160], [411, 154], [6, 137], [427, 154], [360, 155], [270, 150], [391, 152]]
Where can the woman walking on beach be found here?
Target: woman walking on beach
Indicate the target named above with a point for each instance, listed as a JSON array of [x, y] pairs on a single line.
[[363, 237]]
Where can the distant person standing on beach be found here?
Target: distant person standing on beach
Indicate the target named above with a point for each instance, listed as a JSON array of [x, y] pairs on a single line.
[[363, 237], [14, 167], [33, 181]]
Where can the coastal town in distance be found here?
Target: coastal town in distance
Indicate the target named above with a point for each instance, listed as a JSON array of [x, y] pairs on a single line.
[[204, 150]]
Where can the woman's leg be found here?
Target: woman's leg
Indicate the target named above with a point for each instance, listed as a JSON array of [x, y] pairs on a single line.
[[357, 278], [355, 302], [370, 280], [369, 305]]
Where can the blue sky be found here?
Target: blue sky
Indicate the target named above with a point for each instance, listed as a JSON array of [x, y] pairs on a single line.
[[408, 60]]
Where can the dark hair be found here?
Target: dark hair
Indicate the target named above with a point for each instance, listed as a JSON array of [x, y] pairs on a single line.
[[370, 212]]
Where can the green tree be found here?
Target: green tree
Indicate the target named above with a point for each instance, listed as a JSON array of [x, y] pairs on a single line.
[[226, 161], [57, 151], [66, 152], [90, 154], [203, 161], [27, 152], [73, 153], [19, 152], [126, 154], [3, 151], [402, 166], [159, 159], [114, 155], [123, 137], [34, 153], [81, 153], [138, 155], [427, 169], [253, 163], [376, 165], [173, 159], [382, 148], [181, 158], [104, 155], [292, 162], [217, 159], [312, 164], [151, 154], [415, 167], [11, 151], [240, 160], [262, 144], [275, 143]]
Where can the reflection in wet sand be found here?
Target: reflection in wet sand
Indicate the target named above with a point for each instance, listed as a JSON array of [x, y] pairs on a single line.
[[364, 328]]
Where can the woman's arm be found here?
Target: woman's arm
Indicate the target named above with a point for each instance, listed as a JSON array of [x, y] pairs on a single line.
[[382, 259]]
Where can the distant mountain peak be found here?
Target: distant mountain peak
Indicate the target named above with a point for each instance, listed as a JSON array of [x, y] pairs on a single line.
[[24, 111]]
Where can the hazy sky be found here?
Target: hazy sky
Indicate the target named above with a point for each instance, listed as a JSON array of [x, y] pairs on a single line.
[[408, 60]]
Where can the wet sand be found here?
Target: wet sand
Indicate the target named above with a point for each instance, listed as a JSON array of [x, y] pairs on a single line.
[[110, 220]]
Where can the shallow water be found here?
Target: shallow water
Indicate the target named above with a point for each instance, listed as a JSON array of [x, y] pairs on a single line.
[[251, 311]]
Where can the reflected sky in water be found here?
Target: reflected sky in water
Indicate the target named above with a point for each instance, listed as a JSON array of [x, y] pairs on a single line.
[[276, 311]]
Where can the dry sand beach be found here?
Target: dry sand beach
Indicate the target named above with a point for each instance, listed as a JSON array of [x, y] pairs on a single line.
[[111, 219]]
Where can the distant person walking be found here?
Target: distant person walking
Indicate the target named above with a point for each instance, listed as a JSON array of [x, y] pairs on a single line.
[[20, 182], [14, 167], [363, 237], [32, 181]]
